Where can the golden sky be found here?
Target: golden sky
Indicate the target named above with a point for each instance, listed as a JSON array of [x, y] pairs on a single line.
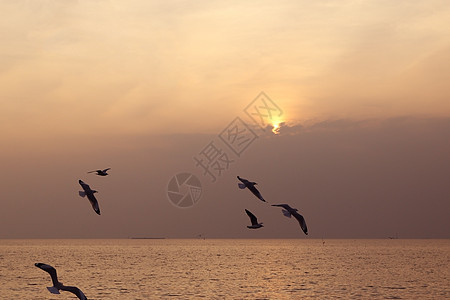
[[141, 86], [72, 67]]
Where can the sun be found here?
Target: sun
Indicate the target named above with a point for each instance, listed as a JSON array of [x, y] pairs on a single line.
[[276, 124]]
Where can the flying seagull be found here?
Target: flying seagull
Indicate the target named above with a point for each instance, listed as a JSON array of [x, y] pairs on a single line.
[[57, 286], [288, 211], [254, 220], [101, 172], [90, 194], [251, 186]]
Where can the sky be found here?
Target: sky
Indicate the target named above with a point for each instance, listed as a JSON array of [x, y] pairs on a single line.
[[143, 87]]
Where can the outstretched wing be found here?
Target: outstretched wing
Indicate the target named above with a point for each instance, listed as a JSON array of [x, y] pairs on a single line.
[[104, 171], [94, 202], [253, 218], [50, 270], [244, 181], [285, 206], [85, 186], [301, 221], [93, 171], [255, 192], [74, 290]]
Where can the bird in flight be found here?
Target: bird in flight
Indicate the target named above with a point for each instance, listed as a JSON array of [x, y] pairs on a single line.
[[57, 286], [90, 195], [251, 186], [289, 211], [101, 172], [254, 220]]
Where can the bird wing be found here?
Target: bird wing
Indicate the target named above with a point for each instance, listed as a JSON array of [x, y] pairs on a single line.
[[50, 270], [104, 171], [85, 186], [256, 192], [301, 221], [93, 171], [244, 181], [94, 202], [285, 206], [253, 218], [74, 290], [241, 185]]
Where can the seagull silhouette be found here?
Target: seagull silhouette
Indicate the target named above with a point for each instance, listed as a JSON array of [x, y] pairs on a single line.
[[288, 211], [57, 286], [90, 195], [101, 172], [254, 220], [251, 186]]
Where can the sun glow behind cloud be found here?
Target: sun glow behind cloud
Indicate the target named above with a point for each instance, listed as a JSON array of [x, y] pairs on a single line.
[[276, 125]]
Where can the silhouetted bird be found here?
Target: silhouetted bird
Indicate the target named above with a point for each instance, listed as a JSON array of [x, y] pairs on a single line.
[[251, 186], [90, 195], [254, 220], [101, 172], [288, 211], [57, 286]]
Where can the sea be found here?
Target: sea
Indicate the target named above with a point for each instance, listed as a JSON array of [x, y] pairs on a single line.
[[228, 268]]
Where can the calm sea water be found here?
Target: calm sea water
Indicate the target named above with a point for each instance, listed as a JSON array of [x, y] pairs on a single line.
[[229, 269]]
